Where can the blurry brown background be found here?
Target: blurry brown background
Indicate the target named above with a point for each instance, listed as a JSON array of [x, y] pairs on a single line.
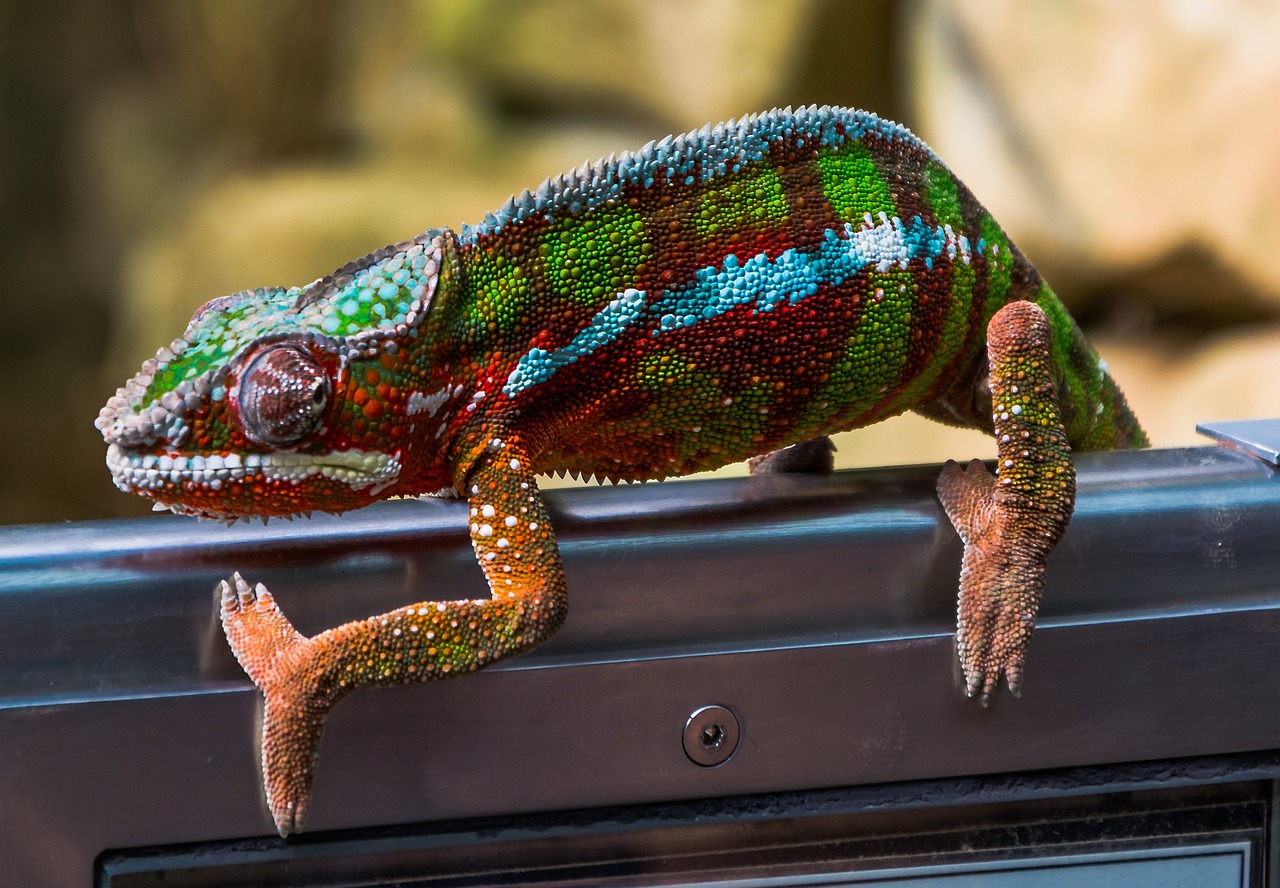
[[156, 154]]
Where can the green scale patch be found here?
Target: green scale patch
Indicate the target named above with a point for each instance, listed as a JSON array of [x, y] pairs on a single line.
[[752, 200], [852, 184], [218, 332], [378, 298], [877, 347], [502, 292], [592, 257]]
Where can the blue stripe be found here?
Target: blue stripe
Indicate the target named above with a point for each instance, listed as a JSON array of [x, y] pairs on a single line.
[[538, 364], [765, 283], [760, 282]]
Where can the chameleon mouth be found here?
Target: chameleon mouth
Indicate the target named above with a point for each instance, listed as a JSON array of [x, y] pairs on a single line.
[[161, 475]]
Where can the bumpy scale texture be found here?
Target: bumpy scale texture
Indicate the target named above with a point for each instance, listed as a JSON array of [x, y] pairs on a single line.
[[716, 296]]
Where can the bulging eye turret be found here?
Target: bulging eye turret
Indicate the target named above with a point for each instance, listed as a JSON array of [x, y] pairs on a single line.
[[282, 397]]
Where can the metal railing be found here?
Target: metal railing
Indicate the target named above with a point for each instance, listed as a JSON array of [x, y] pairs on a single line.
[[815, 611]]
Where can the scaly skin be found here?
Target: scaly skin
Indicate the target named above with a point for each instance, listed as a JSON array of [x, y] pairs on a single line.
[[717, 296]]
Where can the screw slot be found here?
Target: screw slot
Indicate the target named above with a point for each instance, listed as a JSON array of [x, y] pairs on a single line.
[[711, 735]]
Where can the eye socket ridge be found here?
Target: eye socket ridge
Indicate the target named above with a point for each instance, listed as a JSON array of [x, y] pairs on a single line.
[[283, 394]]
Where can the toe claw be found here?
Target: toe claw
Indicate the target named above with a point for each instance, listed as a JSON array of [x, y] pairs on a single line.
[[1013, 678], [289, 818], [245, 592]]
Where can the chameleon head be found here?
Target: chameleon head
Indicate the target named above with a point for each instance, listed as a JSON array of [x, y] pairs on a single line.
[[279, 401]]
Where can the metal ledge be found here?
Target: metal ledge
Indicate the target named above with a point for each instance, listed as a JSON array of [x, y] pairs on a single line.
[[819, 610]]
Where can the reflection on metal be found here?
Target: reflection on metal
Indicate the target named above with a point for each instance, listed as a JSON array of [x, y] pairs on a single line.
[[1259, 437], [817, 611]]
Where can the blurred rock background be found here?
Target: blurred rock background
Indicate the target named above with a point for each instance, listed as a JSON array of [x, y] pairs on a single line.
[[154, 155]]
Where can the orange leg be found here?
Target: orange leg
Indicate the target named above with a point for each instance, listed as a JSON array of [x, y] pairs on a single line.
[[302, 678], [1011, 522]]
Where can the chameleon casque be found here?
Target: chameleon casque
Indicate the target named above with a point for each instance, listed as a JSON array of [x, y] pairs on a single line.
[[711, 297]]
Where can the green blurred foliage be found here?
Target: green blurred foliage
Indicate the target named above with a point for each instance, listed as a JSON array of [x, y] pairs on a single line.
[[156, 154]]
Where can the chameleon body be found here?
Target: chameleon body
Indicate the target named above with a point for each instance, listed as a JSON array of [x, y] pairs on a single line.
[[708, 298]]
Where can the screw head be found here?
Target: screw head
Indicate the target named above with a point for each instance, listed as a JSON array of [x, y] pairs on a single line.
[[711, 735]]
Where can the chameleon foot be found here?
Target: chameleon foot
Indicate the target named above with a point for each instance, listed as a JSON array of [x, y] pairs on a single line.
[[1000, 584], [1011, 522], [281, 663]]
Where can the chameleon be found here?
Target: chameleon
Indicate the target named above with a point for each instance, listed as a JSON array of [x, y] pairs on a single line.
[[733, 292]]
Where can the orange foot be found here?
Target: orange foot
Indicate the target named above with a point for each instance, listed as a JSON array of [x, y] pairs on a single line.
[[281, 663], [1001, 581]]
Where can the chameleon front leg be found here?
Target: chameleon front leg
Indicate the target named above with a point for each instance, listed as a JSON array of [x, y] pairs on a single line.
[[302, 678], [1011, 522]]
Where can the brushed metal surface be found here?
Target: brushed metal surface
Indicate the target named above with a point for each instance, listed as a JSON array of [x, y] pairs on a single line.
[[818, 609]]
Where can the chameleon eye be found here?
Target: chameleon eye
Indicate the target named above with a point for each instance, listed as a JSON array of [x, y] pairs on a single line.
[[283, 395]]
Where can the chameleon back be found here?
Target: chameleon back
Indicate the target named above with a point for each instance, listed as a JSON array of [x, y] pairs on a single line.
[[735, 290]]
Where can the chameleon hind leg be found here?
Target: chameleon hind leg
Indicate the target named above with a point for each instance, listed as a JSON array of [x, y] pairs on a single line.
[[302, 678], [812, 457], [1009, 523]]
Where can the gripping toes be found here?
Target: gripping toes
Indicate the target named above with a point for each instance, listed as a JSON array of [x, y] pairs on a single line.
[[1000, 581], [996, 617], [283, 665], [1010, 522], [259, 634]]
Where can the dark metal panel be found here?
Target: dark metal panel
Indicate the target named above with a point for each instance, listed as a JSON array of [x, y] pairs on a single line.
[[795, 840], [818, 609]]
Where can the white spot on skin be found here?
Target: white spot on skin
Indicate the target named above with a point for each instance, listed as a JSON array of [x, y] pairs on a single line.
[[502, 543], [487, 510], [515, 466], [1017, 409], [431, 403], [510, 521], [485, 530]]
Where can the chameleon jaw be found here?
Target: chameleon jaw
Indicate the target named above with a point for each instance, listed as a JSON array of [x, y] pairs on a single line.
[[169, 479]]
